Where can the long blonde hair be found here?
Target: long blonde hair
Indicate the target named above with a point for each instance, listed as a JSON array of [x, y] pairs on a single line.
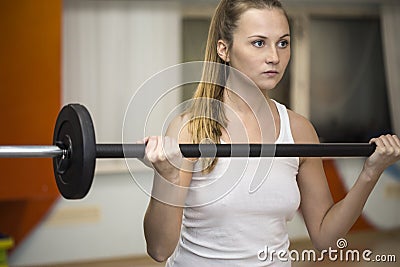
[[206, 110]]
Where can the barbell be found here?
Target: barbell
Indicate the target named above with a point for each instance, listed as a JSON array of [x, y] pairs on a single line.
[[74, 151]]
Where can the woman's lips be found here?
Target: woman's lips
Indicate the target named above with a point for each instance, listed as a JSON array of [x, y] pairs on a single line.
[[271, 73]]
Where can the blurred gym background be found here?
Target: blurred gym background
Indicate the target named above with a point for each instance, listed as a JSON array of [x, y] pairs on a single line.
[[343, 76]]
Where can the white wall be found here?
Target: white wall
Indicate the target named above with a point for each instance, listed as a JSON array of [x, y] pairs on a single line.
[[110, 48]]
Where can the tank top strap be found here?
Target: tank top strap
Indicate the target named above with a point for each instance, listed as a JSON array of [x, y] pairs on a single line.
[[285, 132]]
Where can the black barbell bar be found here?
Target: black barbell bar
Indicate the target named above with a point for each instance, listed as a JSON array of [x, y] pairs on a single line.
[[74, 151], [108, 151], [244, 150]]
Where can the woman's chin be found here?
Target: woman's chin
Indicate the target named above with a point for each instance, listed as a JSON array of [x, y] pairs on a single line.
[[267, 88]]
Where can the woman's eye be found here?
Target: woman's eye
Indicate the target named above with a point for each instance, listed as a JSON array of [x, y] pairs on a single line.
[[283, 44], [258, 43]]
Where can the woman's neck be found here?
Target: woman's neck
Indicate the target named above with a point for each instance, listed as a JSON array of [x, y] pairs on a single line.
[[249, 120], [247, 100], [249, 112]]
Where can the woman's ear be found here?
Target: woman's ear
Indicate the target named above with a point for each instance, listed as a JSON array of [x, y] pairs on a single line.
[[222, 50]]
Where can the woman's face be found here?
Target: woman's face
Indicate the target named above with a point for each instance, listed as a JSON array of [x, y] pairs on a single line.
[[261, 46]]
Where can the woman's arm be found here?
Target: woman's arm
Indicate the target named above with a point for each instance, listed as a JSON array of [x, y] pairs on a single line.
[[162, 223], [326, 222], [163, 218]]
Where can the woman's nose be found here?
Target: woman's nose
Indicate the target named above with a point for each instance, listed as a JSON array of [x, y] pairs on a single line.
[[272, 56]]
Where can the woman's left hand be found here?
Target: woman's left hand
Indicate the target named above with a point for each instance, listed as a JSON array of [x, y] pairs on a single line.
[[386, 153]]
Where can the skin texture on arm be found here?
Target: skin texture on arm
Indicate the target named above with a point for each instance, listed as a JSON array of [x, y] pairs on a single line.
[[162, 221], [326, 221]]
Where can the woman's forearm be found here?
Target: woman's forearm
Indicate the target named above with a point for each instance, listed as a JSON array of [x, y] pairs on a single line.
[[161, 228], [163, 219], [342, 216]]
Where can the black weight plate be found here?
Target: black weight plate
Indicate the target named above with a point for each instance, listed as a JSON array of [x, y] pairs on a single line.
[[74, 131]]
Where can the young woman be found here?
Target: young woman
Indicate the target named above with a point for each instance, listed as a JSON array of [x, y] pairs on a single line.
[[253, 37]]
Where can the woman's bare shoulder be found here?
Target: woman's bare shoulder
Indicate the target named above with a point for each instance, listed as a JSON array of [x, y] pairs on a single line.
[[178, 128], [302, 129]]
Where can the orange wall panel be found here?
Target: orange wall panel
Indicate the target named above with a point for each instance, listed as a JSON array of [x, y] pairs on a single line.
[[30, 60], [30, 86]]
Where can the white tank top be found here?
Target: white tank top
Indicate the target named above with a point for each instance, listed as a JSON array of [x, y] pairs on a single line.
[[239, 211]]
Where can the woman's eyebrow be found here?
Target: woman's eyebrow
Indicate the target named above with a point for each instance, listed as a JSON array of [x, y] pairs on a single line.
[[264, 37]]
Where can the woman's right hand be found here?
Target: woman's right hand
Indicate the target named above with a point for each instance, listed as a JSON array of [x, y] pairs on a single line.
[[164, 156]]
